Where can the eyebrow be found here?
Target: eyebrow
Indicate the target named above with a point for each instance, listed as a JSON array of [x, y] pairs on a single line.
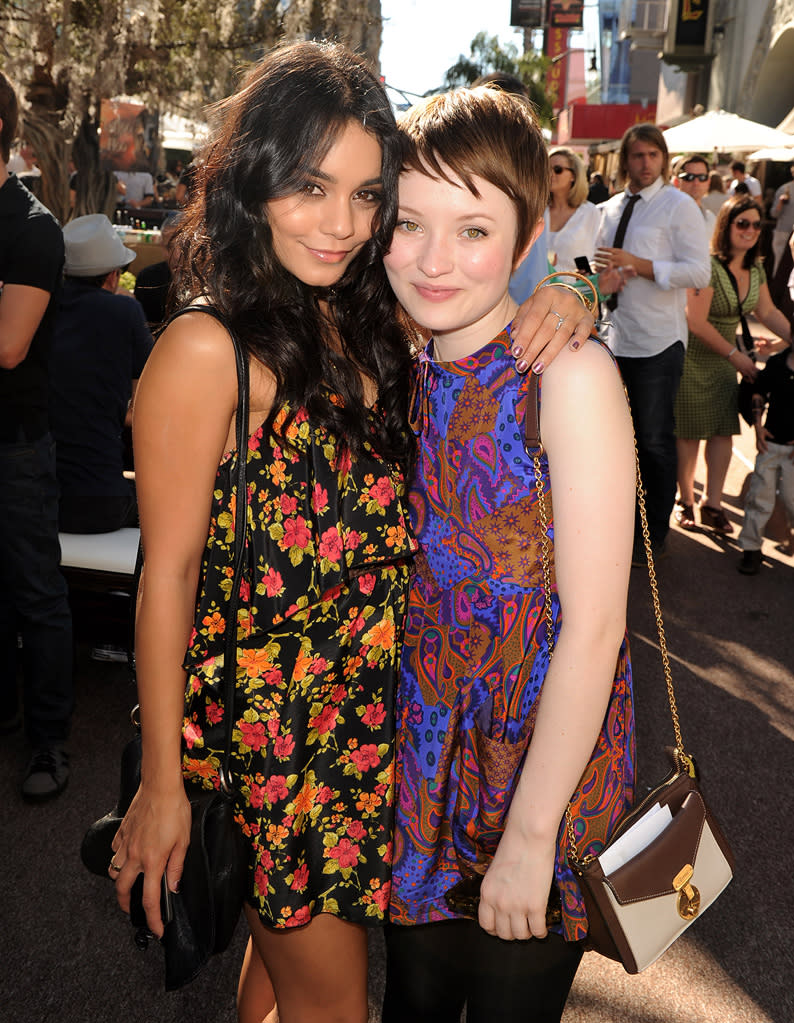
[[332, 180], [464, 216]]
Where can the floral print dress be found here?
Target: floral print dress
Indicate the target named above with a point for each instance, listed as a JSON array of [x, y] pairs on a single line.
[[475, 655], [323, 593]]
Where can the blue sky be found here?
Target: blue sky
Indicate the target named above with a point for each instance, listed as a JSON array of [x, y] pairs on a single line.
[[422, 38]]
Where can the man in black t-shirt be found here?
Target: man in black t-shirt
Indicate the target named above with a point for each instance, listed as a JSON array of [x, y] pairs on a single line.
[[100, 345], [33, 594]]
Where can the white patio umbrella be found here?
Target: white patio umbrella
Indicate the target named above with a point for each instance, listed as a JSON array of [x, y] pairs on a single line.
[[782, 155], [725, 132]]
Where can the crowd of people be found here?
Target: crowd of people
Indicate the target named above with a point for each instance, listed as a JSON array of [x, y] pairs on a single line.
[[405, 747]]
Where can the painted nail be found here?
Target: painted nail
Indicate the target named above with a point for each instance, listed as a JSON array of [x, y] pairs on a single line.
[[522, 366], [538, 368], [575, 343], [517, 351]]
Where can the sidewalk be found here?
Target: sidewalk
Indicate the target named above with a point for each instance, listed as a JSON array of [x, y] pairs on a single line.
[[68, 954]]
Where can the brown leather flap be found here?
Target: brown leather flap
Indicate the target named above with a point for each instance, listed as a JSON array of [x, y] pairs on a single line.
[[651, 873]]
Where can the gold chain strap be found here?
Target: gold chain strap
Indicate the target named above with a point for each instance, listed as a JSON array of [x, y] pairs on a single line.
[[683, 759]]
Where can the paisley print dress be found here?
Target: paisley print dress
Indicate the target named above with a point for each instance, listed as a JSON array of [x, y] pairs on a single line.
[[328, 558], [475, 653]]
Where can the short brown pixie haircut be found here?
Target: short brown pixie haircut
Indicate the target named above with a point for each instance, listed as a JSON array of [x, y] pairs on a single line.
[[9, 114], [483, 133], [721, 239]]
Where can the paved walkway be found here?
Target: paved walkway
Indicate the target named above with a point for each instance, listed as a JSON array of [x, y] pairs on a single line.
[[68, 954]]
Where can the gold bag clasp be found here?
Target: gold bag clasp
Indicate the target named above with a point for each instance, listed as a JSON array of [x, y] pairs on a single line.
[[688, 902]]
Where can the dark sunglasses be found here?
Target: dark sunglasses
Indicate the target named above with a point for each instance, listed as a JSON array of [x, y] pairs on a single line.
[[693, 177], [557, 169], [748, 225]]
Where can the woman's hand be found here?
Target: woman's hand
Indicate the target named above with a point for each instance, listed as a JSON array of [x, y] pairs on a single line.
[[743, 364], [516, 886], [545, 323], [152, 840]]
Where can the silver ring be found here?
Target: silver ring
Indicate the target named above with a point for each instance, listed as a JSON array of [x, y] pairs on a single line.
[[560, 319]]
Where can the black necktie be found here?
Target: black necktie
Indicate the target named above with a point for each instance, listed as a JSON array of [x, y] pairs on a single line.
[[620, 234]]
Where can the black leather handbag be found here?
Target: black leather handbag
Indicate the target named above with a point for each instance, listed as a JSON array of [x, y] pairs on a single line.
[[199, 919]]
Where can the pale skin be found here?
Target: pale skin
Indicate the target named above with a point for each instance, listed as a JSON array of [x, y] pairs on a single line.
[[449, 243], [183, 423], [718, 449]]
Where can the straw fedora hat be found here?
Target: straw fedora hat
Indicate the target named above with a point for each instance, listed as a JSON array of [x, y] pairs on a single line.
[[93, 247]]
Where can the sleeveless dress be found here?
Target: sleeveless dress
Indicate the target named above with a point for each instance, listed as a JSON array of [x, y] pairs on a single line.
[[328, 558], [474, 651], [707, 404]]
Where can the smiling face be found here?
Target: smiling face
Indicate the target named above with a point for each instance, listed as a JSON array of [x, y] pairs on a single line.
[[745, 230], [451, 258], [318, 232]]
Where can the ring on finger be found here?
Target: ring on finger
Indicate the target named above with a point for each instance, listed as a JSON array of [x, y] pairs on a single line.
[[560, 319], [114, 866]]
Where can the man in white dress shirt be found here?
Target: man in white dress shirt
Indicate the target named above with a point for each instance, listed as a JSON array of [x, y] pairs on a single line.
[[660, 233]]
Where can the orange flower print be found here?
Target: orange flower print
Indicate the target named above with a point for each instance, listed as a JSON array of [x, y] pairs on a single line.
[[381, 634], [395, 536], [303, 665], [368, 803], [215, 623], [304, 800], [278, 473], [255, 661], [275, 834], [200, 768]]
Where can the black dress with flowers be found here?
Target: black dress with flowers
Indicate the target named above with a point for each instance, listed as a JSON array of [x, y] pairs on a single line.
[[328, 555]]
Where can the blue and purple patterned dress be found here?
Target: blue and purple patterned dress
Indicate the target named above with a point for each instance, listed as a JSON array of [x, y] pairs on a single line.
[[475, 654]]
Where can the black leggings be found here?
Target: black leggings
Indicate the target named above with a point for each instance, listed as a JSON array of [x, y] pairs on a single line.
[[433, 970]]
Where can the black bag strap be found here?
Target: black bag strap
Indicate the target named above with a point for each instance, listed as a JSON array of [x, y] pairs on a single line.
[[240, 526], [748, 344]]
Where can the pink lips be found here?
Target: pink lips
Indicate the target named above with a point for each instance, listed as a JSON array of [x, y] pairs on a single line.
[[329, 256], [435, 294]]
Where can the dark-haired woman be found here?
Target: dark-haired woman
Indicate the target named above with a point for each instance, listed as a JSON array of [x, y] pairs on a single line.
[[707, 403], [293, 206]]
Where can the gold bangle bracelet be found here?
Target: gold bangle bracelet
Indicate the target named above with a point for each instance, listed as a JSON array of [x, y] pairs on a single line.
[[549, 281]]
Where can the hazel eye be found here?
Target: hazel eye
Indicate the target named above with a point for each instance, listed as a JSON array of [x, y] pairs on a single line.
[[474, 232], [409, 226]]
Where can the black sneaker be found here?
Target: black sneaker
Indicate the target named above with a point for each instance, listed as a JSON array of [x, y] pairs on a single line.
[[47, 774], [750, 563]]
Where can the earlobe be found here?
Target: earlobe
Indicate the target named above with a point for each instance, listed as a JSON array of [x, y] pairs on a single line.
[[533, 238]]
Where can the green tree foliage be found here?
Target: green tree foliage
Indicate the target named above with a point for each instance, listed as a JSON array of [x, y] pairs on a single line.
[[487, 54], [66, 56]]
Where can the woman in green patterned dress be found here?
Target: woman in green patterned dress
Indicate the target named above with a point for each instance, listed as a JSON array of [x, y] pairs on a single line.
[[707, 403]]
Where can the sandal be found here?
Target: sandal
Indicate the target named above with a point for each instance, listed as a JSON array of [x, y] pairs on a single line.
[[716, 519], [684, 515]]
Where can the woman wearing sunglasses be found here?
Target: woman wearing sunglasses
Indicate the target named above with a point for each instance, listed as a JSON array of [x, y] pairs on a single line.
[[572, 221], [707, 403]]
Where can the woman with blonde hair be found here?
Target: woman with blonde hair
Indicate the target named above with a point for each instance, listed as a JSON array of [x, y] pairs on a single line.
[[572, 221]]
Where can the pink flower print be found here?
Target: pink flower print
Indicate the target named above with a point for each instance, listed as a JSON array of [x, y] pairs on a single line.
[[374, 715], [276, 788], [288, 504], [365, 757], [366, 583], [272, 582], [283, 746], [325, 720], [383, 492], [302, 916], [331, 544], [352, 540], [192, 733], [296, 533], [381, 896], [324, 794], [253, 735], [345, 853], [300, 878], [357, 831], [257, 797], [319, 498], [214, 713]]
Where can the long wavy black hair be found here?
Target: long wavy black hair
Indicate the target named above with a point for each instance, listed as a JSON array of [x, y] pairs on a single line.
[[269, 138]]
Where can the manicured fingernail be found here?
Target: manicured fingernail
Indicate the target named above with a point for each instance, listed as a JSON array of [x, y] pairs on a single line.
[[538, 368], [517, 350], [522, 366], [575, 343]]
